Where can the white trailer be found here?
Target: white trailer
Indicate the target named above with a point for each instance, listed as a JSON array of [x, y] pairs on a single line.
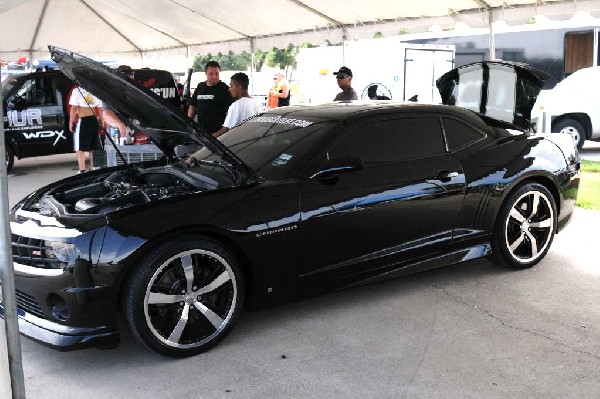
[[399, 70]]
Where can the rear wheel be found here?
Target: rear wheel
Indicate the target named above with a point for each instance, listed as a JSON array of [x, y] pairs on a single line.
[[573, 128], [10, 158], [184, 296], [525, 227]]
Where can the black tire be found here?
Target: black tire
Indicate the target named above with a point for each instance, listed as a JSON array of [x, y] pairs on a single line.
[[572, 127], [525, 227], [10, 157], [184, 296]]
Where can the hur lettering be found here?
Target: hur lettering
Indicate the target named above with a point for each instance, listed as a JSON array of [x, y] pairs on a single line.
[[26, 117]]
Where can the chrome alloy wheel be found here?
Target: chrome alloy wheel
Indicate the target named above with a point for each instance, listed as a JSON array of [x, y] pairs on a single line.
[[529, 226], [190, 299]]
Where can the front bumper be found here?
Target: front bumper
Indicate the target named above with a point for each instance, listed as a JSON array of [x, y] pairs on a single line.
[[86, 298], [63, 338]]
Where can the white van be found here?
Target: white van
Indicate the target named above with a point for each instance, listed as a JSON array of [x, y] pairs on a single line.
[[572, 106]]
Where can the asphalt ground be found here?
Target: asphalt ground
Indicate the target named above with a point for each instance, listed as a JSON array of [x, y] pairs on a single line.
[[473, 330]]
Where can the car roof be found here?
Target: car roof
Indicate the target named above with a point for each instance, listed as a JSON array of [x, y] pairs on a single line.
[[347, 111]]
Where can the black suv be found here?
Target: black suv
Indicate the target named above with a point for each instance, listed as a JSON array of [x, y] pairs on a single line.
[[36, 113]]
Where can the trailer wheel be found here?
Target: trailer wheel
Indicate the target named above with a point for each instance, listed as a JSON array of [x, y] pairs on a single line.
[[572, 127]]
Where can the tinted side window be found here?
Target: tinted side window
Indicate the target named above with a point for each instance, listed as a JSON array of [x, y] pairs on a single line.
[[392, 140], [458, 134], [38, 91]]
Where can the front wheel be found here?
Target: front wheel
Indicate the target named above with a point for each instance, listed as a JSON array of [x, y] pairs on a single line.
[[10, 158], [525, 227], [184, 296], [573, 128]]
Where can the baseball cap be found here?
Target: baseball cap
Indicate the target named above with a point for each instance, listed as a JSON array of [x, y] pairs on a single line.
[[125, 69], [344, 71]]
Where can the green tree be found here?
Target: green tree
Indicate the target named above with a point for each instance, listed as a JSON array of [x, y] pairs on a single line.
[[282, 58], [259, 59], [228, 62], [200, 62], [378, 35]]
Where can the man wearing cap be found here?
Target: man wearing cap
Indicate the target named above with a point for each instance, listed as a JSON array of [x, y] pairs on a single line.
[[126, 70], [108, 114], [344, 81]]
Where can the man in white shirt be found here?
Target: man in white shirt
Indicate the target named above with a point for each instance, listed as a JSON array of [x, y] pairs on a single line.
[[243, 108], [84, 122]]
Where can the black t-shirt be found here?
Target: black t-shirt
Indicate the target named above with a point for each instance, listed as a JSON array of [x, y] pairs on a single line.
[[212, 103]]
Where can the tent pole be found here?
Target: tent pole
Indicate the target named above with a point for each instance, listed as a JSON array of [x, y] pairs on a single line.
[[252, 66], [9, 300], [344, 38], [492, 42]]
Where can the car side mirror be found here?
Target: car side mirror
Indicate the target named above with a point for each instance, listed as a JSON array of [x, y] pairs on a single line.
[[337, 165]]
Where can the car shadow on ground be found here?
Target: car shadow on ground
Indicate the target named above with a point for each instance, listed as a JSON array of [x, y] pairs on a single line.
[[252, 324]]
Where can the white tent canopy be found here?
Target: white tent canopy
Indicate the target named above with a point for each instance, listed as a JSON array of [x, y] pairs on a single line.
[[116, 28]]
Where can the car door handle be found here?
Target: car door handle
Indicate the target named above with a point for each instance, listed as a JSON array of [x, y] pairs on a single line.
[[445, 175]]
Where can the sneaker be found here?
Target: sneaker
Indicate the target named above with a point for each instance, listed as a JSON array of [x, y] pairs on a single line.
[[80, 172]]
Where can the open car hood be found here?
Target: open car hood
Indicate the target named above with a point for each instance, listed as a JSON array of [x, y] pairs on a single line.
[[498, 89], [139, 107]]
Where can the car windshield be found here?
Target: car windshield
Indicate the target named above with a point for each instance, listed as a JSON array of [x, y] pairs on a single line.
[[272, 145]]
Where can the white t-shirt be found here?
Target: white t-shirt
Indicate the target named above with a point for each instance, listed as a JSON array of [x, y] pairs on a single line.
[[241, 110], [83, 98]]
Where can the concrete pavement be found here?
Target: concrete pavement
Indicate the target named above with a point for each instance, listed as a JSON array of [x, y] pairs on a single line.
[[473, 330]]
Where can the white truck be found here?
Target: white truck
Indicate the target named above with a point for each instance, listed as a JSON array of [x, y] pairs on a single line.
[[572, 106], [399, 70]]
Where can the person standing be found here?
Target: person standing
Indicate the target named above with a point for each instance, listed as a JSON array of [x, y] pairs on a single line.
[[108, 115], [85, 124], [281, 90], [211, 99], [243, 108], [272, 99], [344, 81]]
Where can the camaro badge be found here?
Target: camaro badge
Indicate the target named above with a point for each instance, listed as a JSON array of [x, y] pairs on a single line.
[[276, 231]]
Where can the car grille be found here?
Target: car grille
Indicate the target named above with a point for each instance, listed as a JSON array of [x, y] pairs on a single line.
[[28, 304], [32, 252]]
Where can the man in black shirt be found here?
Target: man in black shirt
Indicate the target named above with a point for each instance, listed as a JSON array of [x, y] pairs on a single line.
[[211, 99]]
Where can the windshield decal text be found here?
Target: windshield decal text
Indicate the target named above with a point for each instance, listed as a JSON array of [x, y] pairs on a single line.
[[280, 120]]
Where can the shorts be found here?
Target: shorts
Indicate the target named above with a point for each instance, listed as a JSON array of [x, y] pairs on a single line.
[[85, 137]]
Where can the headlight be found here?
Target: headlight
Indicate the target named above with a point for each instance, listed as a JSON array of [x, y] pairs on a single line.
[[60, 251]]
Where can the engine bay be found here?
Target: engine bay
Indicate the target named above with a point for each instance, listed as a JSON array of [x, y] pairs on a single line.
[[129, 187]]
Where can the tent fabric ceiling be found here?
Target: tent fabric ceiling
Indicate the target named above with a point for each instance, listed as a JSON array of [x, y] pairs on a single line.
[[112, 27]]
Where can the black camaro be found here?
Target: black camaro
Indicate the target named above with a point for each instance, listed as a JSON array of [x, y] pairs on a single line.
[[295, 201]]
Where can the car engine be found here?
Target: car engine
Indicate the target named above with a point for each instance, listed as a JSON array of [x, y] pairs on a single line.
[[123, 189]]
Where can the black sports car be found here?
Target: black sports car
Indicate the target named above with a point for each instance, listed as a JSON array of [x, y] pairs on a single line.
[[294, 201]]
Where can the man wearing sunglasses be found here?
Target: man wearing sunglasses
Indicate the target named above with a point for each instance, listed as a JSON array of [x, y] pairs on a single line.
[[344, 81]]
